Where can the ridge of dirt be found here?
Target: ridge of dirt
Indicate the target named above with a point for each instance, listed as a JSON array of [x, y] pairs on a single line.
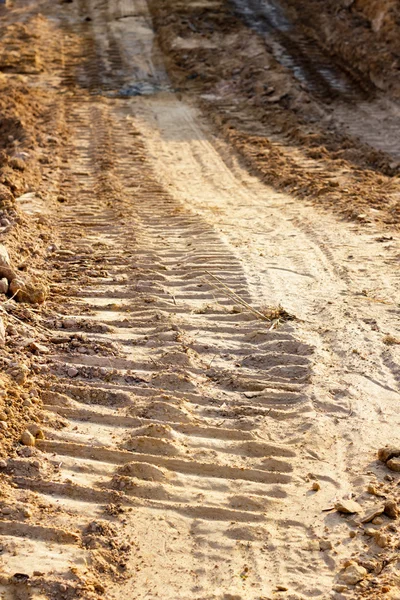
[[30, 133], [284, 134], [364, 33]]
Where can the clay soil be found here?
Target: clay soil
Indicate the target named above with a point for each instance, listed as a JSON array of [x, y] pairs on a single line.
[[200, 344]]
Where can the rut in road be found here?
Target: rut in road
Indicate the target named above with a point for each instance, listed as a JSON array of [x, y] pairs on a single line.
[[168, 428]]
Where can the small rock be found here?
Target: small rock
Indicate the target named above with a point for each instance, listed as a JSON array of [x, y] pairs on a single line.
[[394, 464], [339, 588], [388, 452], [381, 539], [35, 430], [6, 510], [68, 323], [316, 486], [348, 507], [27, 438], [372, 490], [370, 516], [3, 464], [3, 285], [39, 348], [31, 292], [27, 513], [391, 509], [353, 574], [370, 531], [325, 545], [72, 372], [27, 402], [352, 534], [3, 425], [377, 521]]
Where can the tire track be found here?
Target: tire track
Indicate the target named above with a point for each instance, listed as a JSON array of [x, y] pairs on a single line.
[[165, 419]]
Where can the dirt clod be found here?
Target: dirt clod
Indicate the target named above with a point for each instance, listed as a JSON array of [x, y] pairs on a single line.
[[388, 452], [27, 439], [353, 574]]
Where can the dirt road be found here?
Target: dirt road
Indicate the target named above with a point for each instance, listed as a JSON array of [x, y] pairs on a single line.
[[223, 358]]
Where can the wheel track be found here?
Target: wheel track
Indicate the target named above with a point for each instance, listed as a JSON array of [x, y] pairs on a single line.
[[169, 406]]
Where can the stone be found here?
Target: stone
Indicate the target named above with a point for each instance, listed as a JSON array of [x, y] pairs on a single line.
[[378, 521], [3, 285], [391, 509], [325, 545], [35, 430], [3, 464], [3, 425], [316, 486], [370, 516], [39, 348], [370, 531], [339, 588], [381, 539], [348, 506], [69, 323], [353, 574], [72, 372], [27, 439], [388, 452], [394, 464], [6, 510], [32, 292]]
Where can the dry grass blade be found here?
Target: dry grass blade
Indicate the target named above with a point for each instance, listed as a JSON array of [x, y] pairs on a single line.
[[237, 298]]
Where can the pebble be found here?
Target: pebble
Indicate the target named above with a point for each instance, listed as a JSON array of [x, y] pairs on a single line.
[[339, 588], [381, 539], [353, 574], [27, 438], [377, 521], [35, 430], [6, 510], [31, 292], [68, 323], [316, 486], [394, 464], [3, 464], [72, 372], [391, 509], [370, 531], [3, 285], [348, 506], [39, 348], [3, 425], [325, 545], [388, 452]]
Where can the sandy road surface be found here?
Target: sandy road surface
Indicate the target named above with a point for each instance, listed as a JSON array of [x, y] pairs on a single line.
[[184, 433]]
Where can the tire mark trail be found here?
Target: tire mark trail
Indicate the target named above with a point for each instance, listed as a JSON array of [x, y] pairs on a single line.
[[165, 422]]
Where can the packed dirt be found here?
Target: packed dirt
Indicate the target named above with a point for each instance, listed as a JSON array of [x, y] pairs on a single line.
[[200, 343]]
